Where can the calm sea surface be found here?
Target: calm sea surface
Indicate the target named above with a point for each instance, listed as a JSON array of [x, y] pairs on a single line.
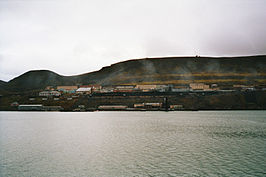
[[211, 143]]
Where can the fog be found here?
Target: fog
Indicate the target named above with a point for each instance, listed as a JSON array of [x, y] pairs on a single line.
[[79, 36]]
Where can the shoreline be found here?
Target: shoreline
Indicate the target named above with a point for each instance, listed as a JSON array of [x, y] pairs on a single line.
[[140, 110]]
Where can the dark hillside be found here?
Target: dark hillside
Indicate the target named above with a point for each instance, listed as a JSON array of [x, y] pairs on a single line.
[[2, 83], [36, 79], [173, 70], [181, 70], [2, 87]]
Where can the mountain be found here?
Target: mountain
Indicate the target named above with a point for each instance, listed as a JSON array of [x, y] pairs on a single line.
[[171, 70], [2, 83], [36, 79], [2, 87], [182, 70]]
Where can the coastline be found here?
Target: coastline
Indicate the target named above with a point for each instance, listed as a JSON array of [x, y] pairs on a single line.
[[139, 110]]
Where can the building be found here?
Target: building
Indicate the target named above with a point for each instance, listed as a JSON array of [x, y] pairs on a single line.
[[84, 90], [146, 88], [44, 93], [139, 105], [55, 93], [67, 89], [199, 86], [94, 87], [112, 107], [148, 105], [49, 93], [124, 88], [176, 107], [32, 107], [107, 89], [244, 87], [163, 88], [180, 88], [39, 107]]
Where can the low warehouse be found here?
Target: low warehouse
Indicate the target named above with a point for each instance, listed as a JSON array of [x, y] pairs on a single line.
[[32, 107]]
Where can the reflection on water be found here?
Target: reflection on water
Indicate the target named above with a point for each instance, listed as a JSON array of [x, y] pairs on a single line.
[[214, 143]]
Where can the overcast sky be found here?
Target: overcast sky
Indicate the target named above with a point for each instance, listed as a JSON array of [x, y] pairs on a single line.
[[79, 36]]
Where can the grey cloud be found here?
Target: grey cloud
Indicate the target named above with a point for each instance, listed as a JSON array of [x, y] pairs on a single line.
[[76, 36]]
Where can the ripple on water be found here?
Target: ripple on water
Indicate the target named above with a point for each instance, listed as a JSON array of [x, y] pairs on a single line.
[[217, 143]]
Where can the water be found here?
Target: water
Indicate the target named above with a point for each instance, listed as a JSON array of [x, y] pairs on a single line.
[[213, 143]]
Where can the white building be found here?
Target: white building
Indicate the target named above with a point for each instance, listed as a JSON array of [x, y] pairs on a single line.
[[199, 86], [31, 107], [146, 88], [85, 90], [49, 93]]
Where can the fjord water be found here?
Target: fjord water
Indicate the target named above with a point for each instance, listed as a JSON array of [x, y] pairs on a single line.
[[211, 143]]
